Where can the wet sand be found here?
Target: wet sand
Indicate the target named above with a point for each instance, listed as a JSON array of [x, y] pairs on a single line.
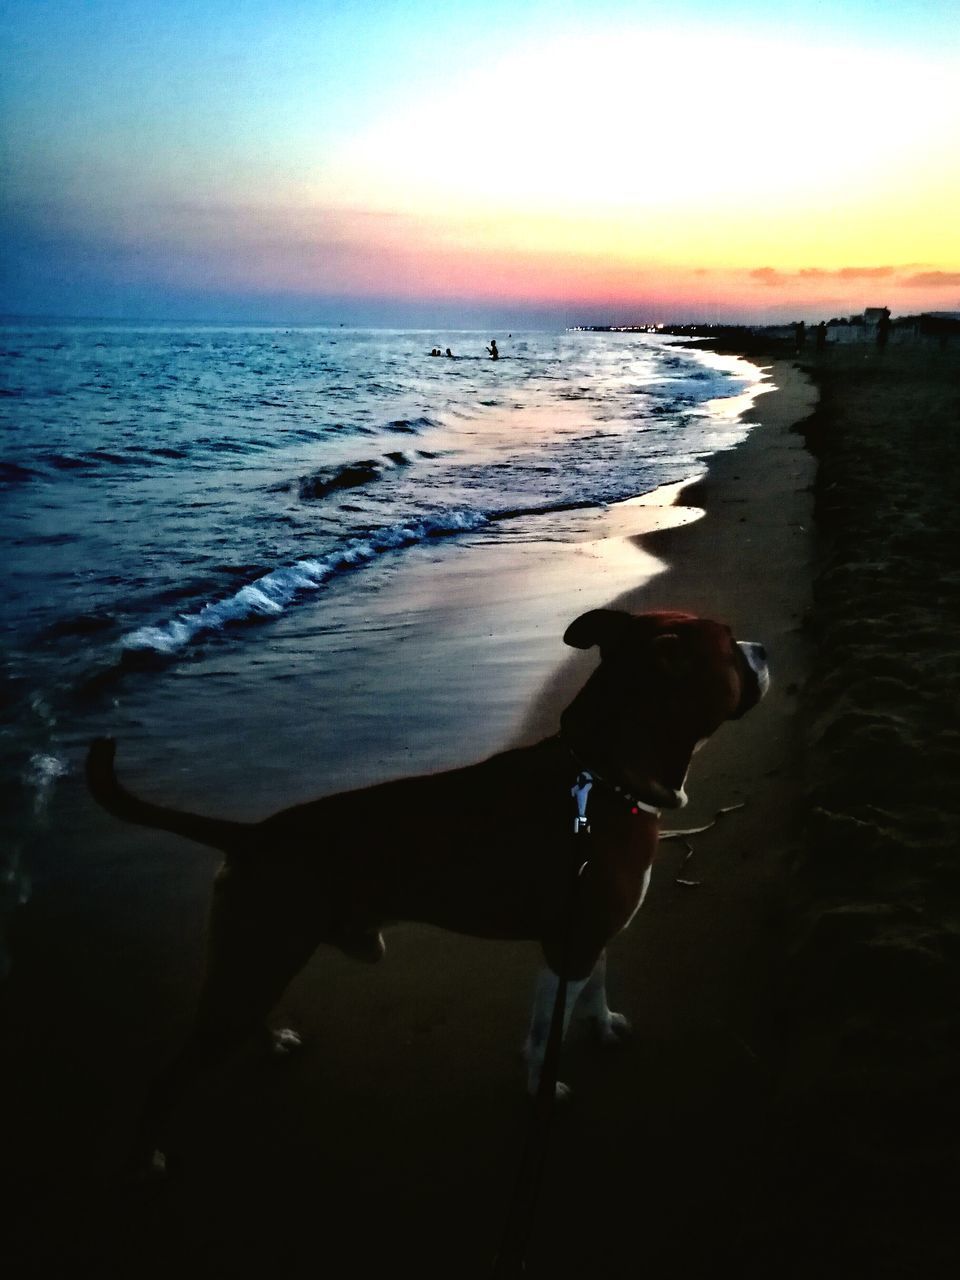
[[394, 1138]]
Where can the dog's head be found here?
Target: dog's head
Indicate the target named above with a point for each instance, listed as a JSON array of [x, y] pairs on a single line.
[[665, 683]]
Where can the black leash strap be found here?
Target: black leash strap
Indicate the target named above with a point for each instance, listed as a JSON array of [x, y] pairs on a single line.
[[519, 1225]]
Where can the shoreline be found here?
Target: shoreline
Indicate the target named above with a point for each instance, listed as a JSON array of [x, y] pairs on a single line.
[[709, 563]]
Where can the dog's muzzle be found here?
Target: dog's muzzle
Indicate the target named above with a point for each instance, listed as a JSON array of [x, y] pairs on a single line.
[[754, 676]]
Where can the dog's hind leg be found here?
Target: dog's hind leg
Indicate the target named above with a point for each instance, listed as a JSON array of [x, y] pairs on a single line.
[[204, 1050], [251, 959], [611, 1028], [544, 999], [223, 1027]]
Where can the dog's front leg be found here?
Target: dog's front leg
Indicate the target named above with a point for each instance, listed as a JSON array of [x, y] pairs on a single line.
[[611, 1028], [544, 999]]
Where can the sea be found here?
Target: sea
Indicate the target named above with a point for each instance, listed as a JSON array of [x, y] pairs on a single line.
[[187, 500]]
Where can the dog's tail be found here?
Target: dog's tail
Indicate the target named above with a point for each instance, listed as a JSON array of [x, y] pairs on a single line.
[[218, 833]]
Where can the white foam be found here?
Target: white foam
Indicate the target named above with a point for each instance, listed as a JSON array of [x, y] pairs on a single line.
[[41, 773], [44, 769], [270, 596]]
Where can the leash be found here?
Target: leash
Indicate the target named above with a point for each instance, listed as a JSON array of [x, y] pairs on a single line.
[[516, 1235]]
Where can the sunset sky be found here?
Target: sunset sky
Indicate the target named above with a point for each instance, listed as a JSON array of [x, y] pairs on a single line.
[[403, 162]]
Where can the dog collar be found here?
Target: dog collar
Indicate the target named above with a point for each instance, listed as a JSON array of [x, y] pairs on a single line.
[[581, 788]]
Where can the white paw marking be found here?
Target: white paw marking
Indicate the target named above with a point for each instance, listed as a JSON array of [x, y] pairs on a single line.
[[142, 1169], [614, 1030], [561, 1092], [285, 1040]]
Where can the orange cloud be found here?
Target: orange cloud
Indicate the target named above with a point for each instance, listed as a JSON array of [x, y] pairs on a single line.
[[771, 276], [932, 279], [767, 275], [864, 273]]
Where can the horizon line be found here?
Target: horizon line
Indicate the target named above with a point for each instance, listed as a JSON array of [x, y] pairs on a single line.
[[64, 317]]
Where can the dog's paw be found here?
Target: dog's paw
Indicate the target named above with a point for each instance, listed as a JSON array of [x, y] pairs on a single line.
[[365, 945], [613, 1031], [283, 1041], [146, 1169], [562, 1093]]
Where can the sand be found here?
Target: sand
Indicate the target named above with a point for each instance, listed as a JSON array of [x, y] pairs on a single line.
[[871, 1055], [732, 1133]]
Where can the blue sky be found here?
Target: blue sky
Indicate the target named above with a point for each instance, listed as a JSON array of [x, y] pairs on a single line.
[[248, 156]]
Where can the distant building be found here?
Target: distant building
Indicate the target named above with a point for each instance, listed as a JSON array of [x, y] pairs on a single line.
[[942, 326], [871, 316], [939, 324]]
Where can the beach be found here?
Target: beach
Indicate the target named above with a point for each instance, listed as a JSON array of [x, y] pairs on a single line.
[[871, 1051], [757, 1121]]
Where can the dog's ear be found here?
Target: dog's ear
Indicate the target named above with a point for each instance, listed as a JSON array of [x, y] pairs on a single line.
[[606, 627]]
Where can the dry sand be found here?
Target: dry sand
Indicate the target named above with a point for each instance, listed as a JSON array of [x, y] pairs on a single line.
[[719, 1139], [869, 1094]]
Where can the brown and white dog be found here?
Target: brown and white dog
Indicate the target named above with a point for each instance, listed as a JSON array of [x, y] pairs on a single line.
[[478, 850]]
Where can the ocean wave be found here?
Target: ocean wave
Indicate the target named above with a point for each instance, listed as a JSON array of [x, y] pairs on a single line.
[[362, 447], [94, 459], [14, 473], [410, 426], [79, 624], [105, 455], [329, 480], [544, 509], [161, 451], [212, 445], [65, 461], [270, 595], [350, 475]]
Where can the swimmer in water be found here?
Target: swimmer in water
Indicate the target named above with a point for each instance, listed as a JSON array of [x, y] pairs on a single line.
[[494, 353]]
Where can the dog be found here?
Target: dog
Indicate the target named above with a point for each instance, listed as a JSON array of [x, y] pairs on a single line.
[[478, 850]]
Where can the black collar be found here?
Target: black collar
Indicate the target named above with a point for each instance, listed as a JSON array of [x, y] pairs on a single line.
[[635, 801]]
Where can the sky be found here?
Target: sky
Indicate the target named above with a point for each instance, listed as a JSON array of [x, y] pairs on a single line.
[[401, 162]]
